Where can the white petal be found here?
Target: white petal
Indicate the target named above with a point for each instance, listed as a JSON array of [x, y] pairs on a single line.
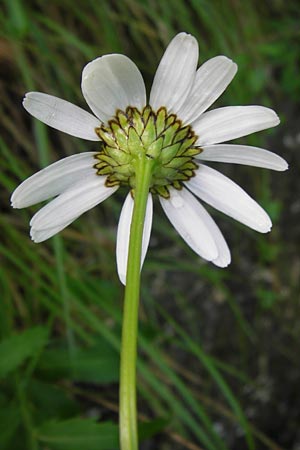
[[175, 74], [224, 258], [243, 154], [212, 78], [53, 180], [124, 234], [62, 115], [112, 82], [226, 196], [42, 235], [189, 218], [232, 122], [81, 197]]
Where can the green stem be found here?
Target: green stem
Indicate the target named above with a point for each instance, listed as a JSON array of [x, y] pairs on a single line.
[[128, 413]]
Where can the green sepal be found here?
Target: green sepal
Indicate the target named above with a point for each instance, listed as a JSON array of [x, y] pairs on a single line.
[[190, 165], [134, 144], [165, 173], [146, 114], [176, 184], [149, 134], [125, 169], [124, 179], [188, 145], [112, 181], [182, 176], [120, 134], [163, 191], [177, 162], [191, 152], [160, 121], [106, 136], [106, 170], [169, 153], [169, 134], [137, 120], [123, 120], [171, 120], [155, 149], [182, 134], [100, 165], [118, 155], [109, 160], [188, 173]]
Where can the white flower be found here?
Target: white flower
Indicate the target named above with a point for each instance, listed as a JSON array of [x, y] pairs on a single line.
[[111, 84]]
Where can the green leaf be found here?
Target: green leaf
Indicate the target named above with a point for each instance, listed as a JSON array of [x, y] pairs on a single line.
[[9, 421], [151, 428], [79, 434], [97, 365], [18, 19], [50, 401], [17, 348]]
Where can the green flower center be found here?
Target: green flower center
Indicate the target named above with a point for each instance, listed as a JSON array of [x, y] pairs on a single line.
[[158, 136]]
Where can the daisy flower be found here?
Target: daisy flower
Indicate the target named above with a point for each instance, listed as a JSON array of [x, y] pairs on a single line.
[[173, 130]]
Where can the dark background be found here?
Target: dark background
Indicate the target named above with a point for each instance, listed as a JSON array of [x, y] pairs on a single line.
[[218, 348]]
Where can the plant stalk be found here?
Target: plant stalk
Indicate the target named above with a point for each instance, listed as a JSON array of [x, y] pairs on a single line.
[[128, 406]]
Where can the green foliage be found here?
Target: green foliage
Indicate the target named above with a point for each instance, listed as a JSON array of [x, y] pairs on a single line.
[[14, 350], [76, 434], [51, 401], [207, 336], [9, 421], [99, 364]]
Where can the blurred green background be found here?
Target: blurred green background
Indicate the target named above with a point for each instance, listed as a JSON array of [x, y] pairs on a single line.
[[218, 348]]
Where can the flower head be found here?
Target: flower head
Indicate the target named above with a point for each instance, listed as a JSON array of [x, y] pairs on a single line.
[[172, 129]]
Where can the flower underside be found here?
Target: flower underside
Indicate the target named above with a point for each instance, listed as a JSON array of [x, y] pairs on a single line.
[[159, 136]]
